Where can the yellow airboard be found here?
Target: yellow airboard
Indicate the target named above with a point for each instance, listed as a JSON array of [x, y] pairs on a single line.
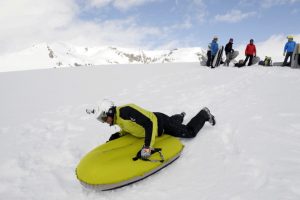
[[110, 165]]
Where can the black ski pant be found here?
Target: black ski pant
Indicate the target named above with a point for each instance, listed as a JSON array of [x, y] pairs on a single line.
[[173, 125], [287, 56], [250, 61], [228, 58], [209, 61]]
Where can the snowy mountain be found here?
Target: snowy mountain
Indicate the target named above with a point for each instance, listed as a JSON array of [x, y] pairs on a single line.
[[253, 152], [65, 55], [58, 55]]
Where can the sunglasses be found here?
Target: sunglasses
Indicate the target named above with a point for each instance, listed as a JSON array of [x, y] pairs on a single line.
[[102, 117]]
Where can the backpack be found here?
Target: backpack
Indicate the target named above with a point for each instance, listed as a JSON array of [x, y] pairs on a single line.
[[266, 62], [239, 64]]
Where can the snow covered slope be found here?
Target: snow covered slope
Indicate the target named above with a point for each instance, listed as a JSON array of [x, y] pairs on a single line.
[[252, 153]]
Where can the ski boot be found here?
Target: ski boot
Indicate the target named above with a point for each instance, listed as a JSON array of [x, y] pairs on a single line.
[[211, 118], [183, 114]]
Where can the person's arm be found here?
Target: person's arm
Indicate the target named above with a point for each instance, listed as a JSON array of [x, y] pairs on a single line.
[[246, 50], [117, 135], [227, 48], [285, 48], [149, 125]]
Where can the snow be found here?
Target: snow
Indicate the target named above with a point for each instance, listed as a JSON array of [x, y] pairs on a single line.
[[60, 55], [253, 152]]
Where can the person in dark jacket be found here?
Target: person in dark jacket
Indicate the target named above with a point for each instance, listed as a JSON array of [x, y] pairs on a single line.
[[288, 51], [228, 52], [142, 123], [250, 52]]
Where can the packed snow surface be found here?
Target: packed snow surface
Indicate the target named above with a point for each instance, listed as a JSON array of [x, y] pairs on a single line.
[[253, 152]]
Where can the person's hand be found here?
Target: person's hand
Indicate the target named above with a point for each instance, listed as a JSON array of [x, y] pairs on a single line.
[[114, 136], [145, 152]]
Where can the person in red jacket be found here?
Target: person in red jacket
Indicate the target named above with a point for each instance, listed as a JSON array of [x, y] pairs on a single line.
[[250, 52]]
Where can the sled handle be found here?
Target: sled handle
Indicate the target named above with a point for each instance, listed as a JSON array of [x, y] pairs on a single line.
[[153, 151]]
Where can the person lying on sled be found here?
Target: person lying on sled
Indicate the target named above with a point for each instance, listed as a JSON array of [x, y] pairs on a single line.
[[142, 123]]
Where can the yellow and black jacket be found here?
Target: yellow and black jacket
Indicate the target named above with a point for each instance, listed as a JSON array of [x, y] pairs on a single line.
[[138, 122]]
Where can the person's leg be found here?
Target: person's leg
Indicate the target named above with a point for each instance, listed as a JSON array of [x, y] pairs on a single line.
[[176, 129], [245, 62], [197, 122], [227, 59], [208, 63], [173, 126], [290, 54], [285, 59], [250, 60]]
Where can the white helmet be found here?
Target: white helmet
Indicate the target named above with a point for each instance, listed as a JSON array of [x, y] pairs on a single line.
[[102, 110]]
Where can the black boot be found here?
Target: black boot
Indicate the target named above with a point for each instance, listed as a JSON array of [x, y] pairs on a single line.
[[211, 118], [178, 117]]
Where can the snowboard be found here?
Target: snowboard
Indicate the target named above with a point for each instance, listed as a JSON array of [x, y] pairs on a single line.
[[255, 60], [232, 56], [116, 163], [295, 60], [218, 58], [277, 63]]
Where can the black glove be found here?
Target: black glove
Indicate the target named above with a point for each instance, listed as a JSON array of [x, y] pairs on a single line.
[[114, 136]]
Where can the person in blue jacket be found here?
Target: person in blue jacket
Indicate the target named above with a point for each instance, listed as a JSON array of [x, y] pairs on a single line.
[[214, 49], [288, 51]]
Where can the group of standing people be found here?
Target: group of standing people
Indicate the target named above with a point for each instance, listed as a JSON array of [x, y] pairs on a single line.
[[250, 52], [213, 48]]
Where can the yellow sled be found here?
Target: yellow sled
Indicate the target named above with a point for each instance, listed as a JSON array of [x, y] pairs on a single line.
[[114, 164]]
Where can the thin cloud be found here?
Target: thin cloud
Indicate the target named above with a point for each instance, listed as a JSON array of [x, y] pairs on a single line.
[[28, 22], [271, 3], [119, 4], [267, 3], [234, 16]]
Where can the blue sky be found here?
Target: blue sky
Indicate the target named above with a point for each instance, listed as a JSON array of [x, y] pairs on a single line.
[[193, 23], [148, 24]]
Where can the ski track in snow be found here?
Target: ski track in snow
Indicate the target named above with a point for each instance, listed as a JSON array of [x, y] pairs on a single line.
[[252, 153]]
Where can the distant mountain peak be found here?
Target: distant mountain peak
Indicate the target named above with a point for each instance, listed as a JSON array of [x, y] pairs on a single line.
[[45, 55]]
